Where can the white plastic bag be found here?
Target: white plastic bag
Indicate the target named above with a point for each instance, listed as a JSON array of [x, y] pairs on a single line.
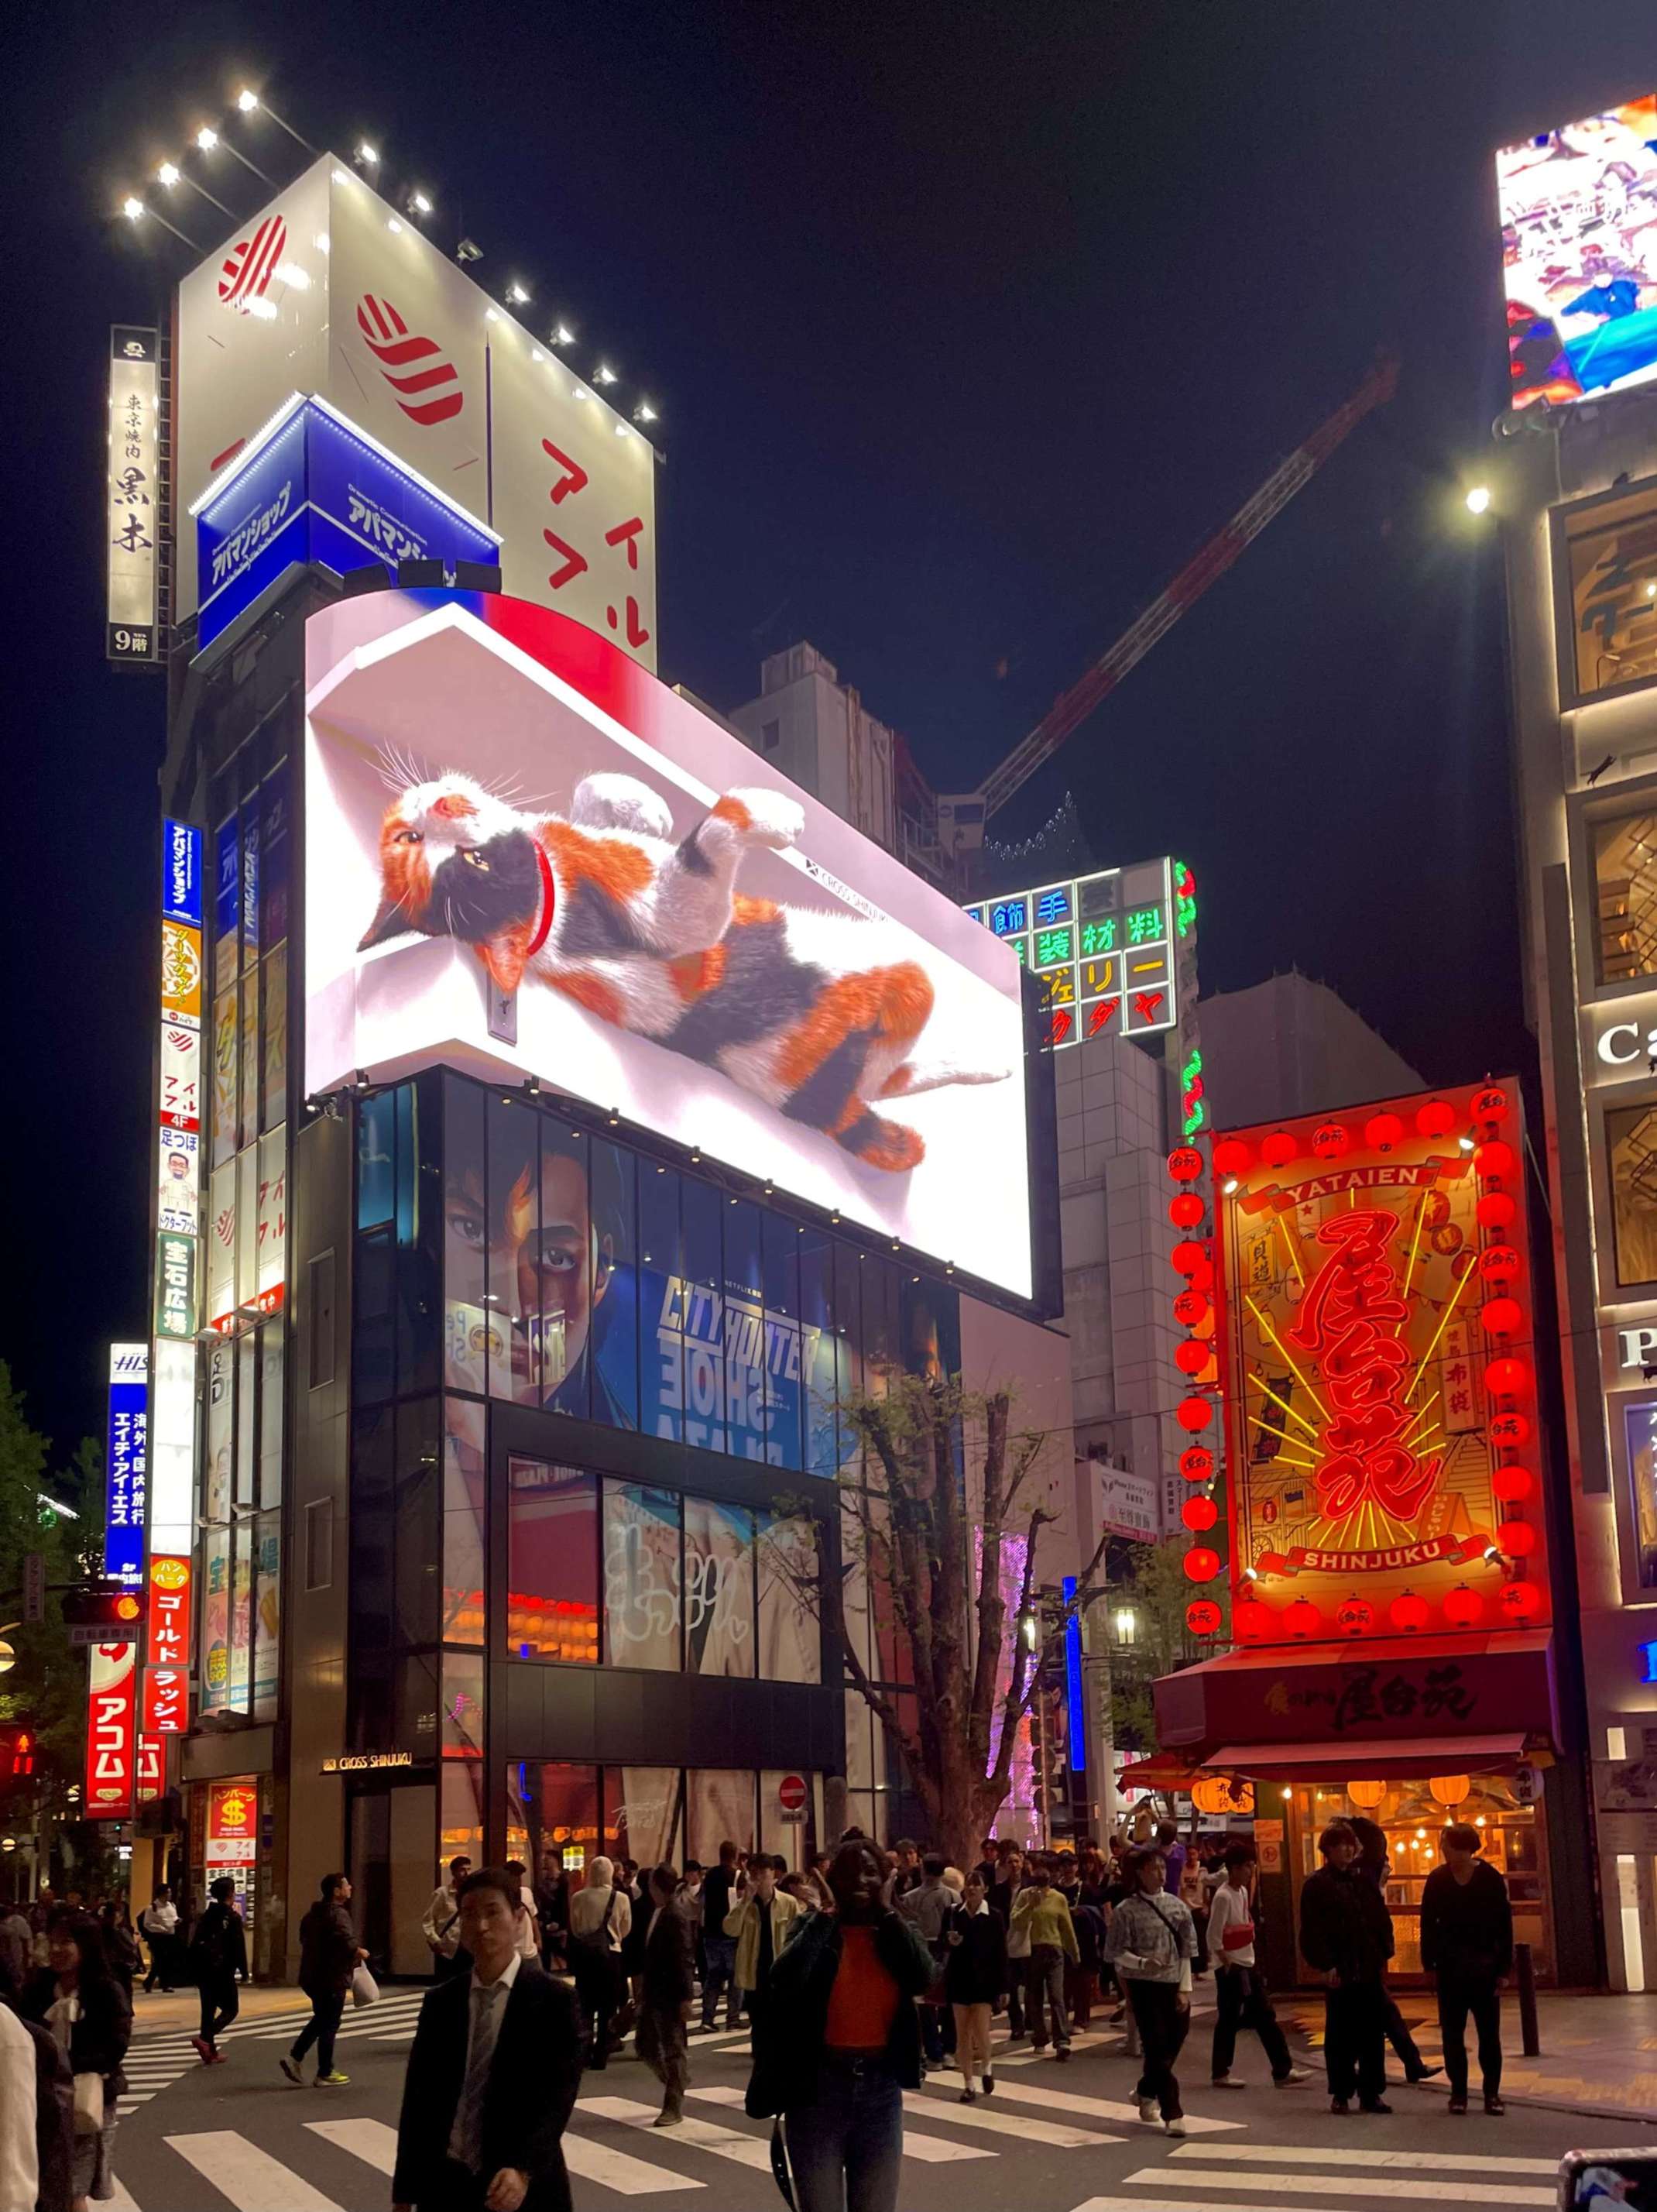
[[365, 1989]]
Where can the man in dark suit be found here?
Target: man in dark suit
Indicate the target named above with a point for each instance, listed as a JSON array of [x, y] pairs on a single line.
[[492, 2077]]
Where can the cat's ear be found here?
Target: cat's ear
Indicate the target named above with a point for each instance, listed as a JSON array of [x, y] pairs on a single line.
[[393, 920], [504, 956]]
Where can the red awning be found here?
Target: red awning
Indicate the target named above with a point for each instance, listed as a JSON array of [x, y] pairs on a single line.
[[1163, 1770], [1399, 1759]]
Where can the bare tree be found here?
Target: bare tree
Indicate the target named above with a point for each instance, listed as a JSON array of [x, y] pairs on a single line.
[[947, 1490]]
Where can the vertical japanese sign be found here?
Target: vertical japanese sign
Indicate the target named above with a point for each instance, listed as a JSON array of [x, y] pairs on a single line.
[[111, 1730], [177, 1312], [124, 1462], [132, 499], [1106, 946]]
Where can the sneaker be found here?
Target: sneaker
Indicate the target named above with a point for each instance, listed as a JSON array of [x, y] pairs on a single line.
[[1373, 2105], [1175, 2126], [290, 2068], [668, 2117], [1495, 2107], [1458, 2104], [1292, 2078], [966, 2097], [1341, 2105], [987, 2082], [334, 2080], [1149, 2112], [1229, 2082], [202, 2048], [220, 2058]]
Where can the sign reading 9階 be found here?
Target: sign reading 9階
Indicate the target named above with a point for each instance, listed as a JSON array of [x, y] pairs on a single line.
[[1372, 1275]]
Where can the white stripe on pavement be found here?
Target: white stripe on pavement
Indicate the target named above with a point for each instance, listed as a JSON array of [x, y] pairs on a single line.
[[1416, 2161], [1001, 2124], [930, 2150], [1342, 2184], [1096, 2108], [616, 2170], [724, 2143], [371, 2140], [251, 2180]]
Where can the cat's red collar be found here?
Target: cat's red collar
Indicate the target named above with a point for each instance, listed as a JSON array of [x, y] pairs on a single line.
[[547, 901]]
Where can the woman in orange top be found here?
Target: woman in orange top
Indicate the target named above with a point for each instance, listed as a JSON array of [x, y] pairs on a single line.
[[840, 2042]]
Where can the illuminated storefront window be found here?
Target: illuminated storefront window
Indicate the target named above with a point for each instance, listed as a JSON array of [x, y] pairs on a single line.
[[1625, 883], [1631, 1147], [1609, 595], [1640, 1428]]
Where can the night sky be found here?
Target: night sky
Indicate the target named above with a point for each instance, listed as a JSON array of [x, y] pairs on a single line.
[[966, 326]]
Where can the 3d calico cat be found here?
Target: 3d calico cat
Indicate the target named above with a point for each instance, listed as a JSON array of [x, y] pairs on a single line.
[[801, 1007]]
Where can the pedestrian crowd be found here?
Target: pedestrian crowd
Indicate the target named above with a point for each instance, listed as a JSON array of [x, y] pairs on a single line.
[[856, 1976]]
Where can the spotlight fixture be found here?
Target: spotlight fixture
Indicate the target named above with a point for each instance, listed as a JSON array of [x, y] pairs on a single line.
[[359, 1079], [365, 156], [1228, 1188], [207, 138], [615, 1117], [132, 209], [246, 101], [644, 412], [603, 374], [834, 1219], [167, 174], [516, 295], [468, 250], [562, 335], [532, 1085], [695, 1155], [417, 203], [1478, 499], [1466, 1143]]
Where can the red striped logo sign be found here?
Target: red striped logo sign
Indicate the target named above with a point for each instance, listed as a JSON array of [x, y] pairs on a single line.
[[427, 371], [250, 265]]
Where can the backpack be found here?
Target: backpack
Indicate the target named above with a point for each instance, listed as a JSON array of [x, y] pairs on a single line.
[[595, 1943]]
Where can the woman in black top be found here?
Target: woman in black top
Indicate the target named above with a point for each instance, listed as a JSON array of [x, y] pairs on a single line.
[[79, 2000], [975, 1977]]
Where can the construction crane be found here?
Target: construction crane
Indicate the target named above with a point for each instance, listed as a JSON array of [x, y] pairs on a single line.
[[961, 817]]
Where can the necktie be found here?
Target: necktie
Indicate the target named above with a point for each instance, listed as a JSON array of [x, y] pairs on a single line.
[[467, 2142]]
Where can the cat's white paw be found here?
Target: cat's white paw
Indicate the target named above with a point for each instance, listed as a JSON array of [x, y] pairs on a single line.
[[774, 819]]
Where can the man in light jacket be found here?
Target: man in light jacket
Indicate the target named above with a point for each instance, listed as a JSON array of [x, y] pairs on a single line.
[[600, 1917], [1151, 1943], [441, 1926], [759, 1921], [1042, 1918]]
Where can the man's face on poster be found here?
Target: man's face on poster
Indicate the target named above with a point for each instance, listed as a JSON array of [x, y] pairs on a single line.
[[547, 1268]]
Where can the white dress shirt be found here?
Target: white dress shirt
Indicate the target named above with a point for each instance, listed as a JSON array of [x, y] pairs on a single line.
[[20, 2179], [499, 1991]]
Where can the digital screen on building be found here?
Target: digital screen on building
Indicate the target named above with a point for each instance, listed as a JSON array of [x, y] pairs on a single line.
[[526, 857], [1579, 253], [1372, 1276], [1106, 946]]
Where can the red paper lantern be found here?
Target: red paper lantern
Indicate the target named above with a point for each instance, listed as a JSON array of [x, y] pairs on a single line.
[[1502, 1316], [1202, 1562], [1506, 1378], [1192, 1355], [1437, 1118], [1252, 1618], [1499, 1263], [1193, 1414], [1491, 1104], [1464, 1607], [1189, 1308], [1302, 1617], [1199, 1513], [1202, 1275], [1511, 1484], [1516, 1538], [1232, 1157], [1509, 1430], [1329, 1141], [1496, 1210], [1186, 1257], [1186, 1211], [1493, 1157], [1184, 1164], [1203, 1616], [1383, 1131], [1409, 1613], [1278, 1149], [1355, 1616], [1197, 1463], [1520, 1602]]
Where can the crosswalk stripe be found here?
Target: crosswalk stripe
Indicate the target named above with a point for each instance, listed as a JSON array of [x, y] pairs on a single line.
[[724, 2143], [1341, 2185], [616, 2170], [930, 2150], [252, 2180], [1415, 2161], [1098, 2108], [1001, 2124], [371, 2141]]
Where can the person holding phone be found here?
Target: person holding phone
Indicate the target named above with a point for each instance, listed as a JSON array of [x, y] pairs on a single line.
[[1240, 1989]]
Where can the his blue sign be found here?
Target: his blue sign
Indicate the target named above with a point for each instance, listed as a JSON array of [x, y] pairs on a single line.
[[181, 873], [124, 1462], [313, 487]]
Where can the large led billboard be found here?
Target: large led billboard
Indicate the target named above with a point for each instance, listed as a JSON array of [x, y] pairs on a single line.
[[330, 290], [1579, 253], [1372, 1281], [525, 856]]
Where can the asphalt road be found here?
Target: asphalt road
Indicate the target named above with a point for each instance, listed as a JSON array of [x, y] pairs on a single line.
[[1053, 2139]]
